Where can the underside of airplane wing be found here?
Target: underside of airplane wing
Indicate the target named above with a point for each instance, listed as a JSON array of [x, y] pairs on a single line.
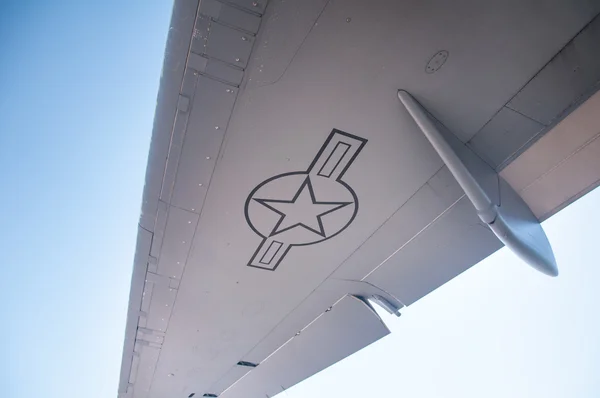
[[311, 159]]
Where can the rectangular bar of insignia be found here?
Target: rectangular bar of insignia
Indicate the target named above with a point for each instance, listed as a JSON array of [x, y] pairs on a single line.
[[334, 159], [271, 252]]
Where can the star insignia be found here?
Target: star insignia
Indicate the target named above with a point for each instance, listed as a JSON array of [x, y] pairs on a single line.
[[303, 210]]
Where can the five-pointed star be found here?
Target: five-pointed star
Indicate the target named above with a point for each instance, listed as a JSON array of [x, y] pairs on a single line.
[[302, 210]]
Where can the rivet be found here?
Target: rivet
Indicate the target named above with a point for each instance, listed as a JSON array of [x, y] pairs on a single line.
[[178, 262], [237, 60], [216, 127], [255, 4], [183, 241], [244, 38], [199, 186], [348, 19], [171, 375], [208, 158]]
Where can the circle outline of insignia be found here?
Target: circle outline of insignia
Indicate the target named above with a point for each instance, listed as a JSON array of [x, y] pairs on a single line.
[[268, 180]]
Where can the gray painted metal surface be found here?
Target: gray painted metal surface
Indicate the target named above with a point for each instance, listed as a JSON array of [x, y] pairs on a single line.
[[573, 73], [504, 135], [554, 92], [251, 96], [563, 165]]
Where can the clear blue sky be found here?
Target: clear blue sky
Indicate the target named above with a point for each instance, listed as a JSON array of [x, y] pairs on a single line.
[[79, 82]]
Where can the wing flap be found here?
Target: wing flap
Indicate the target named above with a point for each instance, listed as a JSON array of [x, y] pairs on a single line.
[[313, 306], [349, 326]]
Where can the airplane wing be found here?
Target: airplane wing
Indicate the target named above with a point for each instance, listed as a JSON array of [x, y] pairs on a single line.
[[291, 186]]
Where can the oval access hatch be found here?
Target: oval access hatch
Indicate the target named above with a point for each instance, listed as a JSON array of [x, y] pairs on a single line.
[[437, 61]]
